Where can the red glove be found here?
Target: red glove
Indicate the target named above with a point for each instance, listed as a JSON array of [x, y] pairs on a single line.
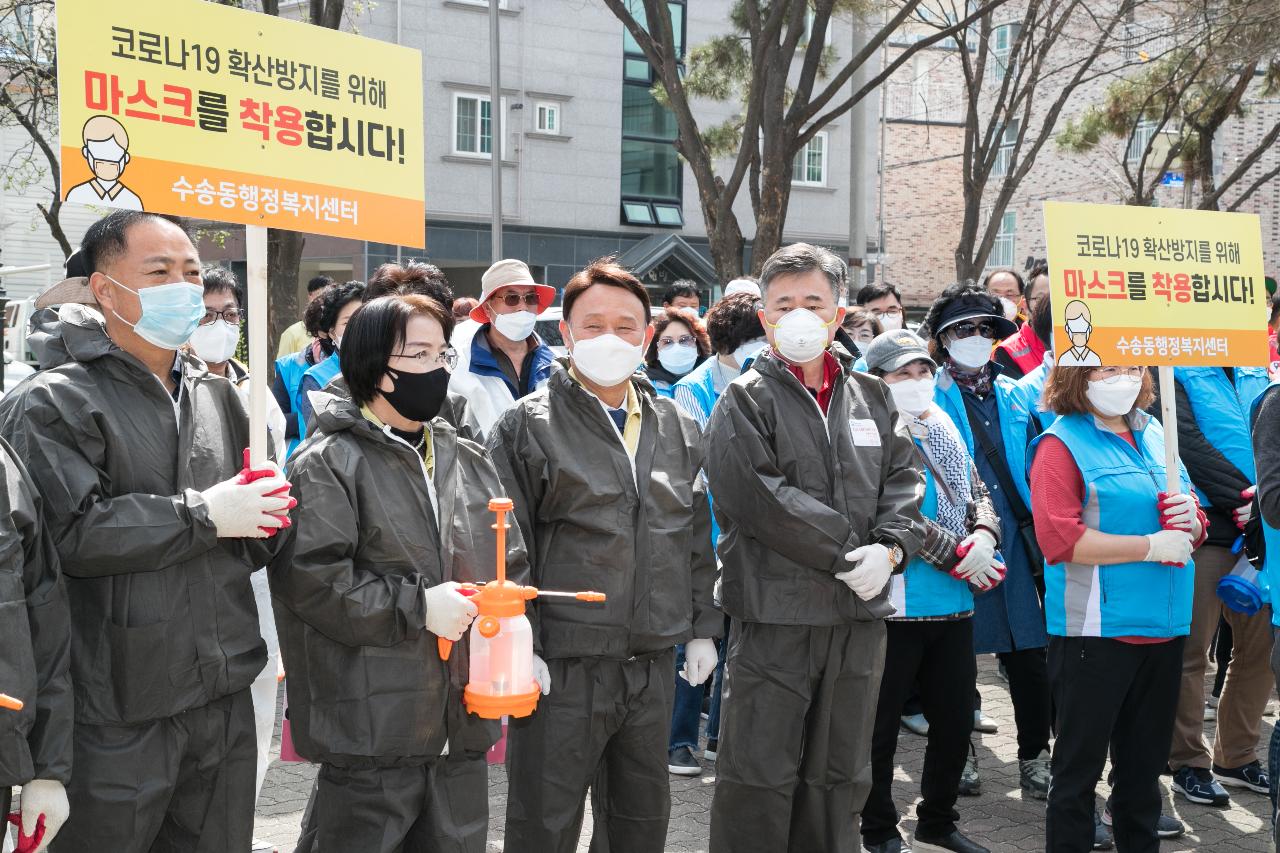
[[249, 475], [27, 843], [1243, 514], [1177, 512]]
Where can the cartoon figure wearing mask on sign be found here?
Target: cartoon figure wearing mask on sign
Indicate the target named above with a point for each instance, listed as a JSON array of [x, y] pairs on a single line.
[[1079, 325], [106, 149]]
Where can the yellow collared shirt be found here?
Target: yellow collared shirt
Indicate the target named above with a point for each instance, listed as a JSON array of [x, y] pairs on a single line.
[[631, 429]]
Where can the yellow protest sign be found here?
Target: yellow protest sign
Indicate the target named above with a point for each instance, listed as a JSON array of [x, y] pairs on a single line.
[[203, 110], [1155, 286]]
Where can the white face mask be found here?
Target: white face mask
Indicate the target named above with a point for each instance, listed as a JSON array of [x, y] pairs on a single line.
[[748, 351], [215, 342], [1009, 308], [517, 326], [891, 322], [1112, 399], [678, 358], [913, 396], [971, 352], [606, 360], [800, 336]]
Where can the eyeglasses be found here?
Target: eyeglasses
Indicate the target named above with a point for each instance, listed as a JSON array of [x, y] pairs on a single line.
[[1111, 375], [511, 300], [230, 315], [430, 360], [683, 340], [969, 329], [885, 312]]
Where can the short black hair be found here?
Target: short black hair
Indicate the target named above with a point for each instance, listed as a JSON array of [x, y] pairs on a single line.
[[877, 291], [606, 271], [375, 332], [108, 238], [218, 279], [1040, 269], [411, 277], [320, 282], [1017, 276], [733, 321], [322, 314], [684, 287]]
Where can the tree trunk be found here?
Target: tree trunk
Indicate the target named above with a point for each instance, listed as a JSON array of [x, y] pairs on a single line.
[[775, 193], [284, 254]]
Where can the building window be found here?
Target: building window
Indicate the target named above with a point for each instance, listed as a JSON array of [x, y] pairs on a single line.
[[1003, 38], [651, 184], [810, 166], [809, 15], [473, 125], [1003, 247], [1004, 154], [548, 118], [1138, 142]]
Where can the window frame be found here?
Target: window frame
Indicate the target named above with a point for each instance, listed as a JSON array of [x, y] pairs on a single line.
[[802, 156], [1143, 132], [1004, 247], [479, 98], [1000, 64], [550, 108], [1004, 151]]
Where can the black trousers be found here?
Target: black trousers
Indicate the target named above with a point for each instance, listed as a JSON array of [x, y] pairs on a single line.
[[938, 656], [1032, 699], [794, 766], [605, 725], [1113, 695], [441, 807], [183, 784]]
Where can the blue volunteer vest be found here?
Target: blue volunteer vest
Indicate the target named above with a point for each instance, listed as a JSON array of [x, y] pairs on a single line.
[[1139, 599], [924, 590], [1222, 410], [290, 369], [1271, 565], [1013, 424], [323, 373]]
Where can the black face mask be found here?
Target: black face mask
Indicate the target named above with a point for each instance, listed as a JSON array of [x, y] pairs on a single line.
[[418, 396]]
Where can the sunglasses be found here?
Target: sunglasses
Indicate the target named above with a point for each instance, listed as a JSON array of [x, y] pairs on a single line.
[[511, 300], [968, 329]]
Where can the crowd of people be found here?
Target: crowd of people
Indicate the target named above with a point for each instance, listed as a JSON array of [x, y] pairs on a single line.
[[801, 513]]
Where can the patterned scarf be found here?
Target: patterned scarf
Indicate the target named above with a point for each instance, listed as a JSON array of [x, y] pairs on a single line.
[[978, 381], [948, 454]]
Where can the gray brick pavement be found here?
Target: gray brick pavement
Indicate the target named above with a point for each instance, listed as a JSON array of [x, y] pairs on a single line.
[[1000, 818]]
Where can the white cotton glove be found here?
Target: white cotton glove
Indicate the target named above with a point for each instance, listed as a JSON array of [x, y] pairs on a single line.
[[978, 550], [1178, 512], [48, 798], [1171, 547], [988, 576], [870, 572], [1243, 515], [542, 675], [449, 612], [700, 660], [241, 510]]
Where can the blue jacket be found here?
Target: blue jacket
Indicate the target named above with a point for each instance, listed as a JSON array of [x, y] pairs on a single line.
[[1007, 618], [1031, 390], [321, 373], [1139, 599], [701, 383], [1271, 564], [922, 589], [290, 369], [1223, 410]]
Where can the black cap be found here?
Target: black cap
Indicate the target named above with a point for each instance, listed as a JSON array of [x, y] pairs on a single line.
[[976, 306]]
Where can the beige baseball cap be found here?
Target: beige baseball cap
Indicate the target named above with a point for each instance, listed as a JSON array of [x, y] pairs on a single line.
[[74, 289], [510, 273]]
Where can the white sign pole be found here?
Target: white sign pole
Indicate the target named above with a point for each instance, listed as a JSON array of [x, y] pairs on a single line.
[[1169, 417], [255, 246]]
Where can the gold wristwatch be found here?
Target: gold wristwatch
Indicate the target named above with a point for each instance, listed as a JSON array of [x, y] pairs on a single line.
[[896, 554]]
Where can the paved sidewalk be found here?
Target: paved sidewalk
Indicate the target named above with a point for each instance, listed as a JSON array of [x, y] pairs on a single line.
[[1000, 818]]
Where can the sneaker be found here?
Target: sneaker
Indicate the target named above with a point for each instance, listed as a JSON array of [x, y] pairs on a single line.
[[970, 781], [983, 723], [893, 845], [713, 746], [1250, 776], [955, 842], [1166, 827], [1101, 835], [1034, 776], [682, 762], [263, 847], [1210, 712], [916, 724], [1199, 786]]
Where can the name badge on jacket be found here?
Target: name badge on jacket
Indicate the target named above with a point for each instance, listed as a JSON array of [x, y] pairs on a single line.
[[865, 432]]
